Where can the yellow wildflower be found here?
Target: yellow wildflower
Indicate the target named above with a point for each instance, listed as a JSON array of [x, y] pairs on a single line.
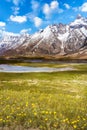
[[35, 113], [75, 126], [46, 112], [46, 119], [54, 113], [1, 119]]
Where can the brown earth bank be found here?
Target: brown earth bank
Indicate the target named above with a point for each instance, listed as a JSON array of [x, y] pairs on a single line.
[[6, 60], [80, 55]]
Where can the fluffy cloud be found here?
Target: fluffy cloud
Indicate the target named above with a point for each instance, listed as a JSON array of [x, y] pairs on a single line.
[[83, 8], [51, 8], [67, 6], [33, 14], [15, 10], [3, 32], [37, 21], [18, 19], [34, 5], [15, 2], [46, 9], [54, 5], [23, 31], [2, 24]]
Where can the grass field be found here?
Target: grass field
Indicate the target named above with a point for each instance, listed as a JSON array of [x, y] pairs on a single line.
[[44, 101]]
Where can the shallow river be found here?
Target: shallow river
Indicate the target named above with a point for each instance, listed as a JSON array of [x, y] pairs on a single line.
[[13, 68]]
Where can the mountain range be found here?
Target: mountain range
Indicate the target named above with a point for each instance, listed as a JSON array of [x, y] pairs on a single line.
[[55, 41]]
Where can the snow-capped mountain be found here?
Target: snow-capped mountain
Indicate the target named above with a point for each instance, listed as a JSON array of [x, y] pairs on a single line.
[[11, 41], [79, 22], [56, 40]]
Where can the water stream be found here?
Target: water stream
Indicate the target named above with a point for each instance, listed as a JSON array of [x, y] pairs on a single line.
[[13, 68]]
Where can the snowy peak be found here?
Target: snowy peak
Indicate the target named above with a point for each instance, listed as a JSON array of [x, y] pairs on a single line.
[[47, 32], [10, 40], [79, 22], [79, 16]]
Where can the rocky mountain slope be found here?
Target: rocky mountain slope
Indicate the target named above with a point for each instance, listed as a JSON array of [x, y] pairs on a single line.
[[56, 41]]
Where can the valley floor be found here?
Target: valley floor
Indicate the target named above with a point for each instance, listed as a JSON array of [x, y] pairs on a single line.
[[44, 101]]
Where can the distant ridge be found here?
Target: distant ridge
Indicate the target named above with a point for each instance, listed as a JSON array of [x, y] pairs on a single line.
[[55, 41]]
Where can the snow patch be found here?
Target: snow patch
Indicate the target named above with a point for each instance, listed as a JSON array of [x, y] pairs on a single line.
[[63, 37], [46, 33]]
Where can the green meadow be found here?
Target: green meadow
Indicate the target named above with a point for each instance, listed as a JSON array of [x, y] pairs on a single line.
[[44, 101]]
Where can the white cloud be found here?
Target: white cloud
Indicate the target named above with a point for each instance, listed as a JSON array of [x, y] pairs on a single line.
[[30, 16], [54, 4], [33, 15], [18, 19], [3, 32], [59, 10], [15, 2], [46, 9], [37, 21], [34, 5], [23, 31], [83, 8], [2, 24], [67, 6], [15, 10], [53, 7]]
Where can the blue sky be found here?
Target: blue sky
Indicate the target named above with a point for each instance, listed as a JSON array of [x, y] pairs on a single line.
[[19, 16]]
